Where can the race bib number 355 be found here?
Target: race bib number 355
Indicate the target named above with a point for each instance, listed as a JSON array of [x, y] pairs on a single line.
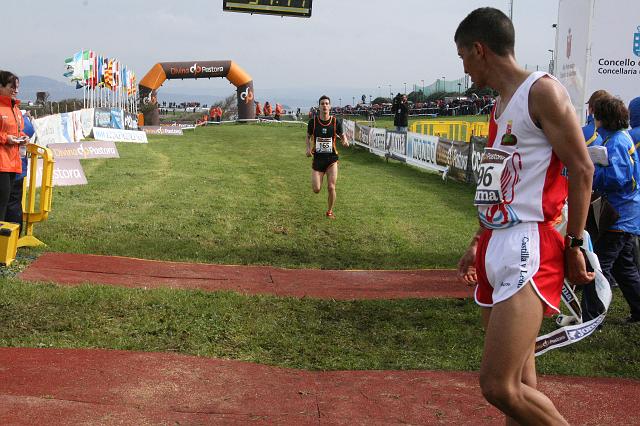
[[324, 145], [489, 189]]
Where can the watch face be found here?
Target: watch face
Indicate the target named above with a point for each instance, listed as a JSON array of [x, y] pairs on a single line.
[[574, 241]]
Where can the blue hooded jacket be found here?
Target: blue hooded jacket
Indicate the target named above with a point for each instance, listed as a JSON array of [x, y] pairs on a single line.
[[29, 130], [620, 179], [590, 133], [634, 120]]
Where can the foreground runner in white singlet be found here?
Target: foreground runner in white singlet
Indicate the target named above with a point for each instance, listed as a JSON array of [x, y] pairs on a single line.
[[517, 258]]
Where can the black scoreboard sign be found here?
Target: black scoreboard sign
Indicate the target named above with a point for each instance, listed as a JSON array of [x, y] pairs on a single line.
[[301, 8]]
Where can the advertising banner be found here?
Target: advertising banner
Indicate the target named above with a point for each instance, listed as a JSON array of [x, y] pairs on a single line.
[[67, 127], [117, 119], [571, 49], [87, 119], [477, 148], [378, 141], [103, 117], [163, 130], [130, 121], [66, 172], [361, 135], [397, 144], [614, 61], [196, 69], [84, 150], [421, 151], [76, 119], [117, 135], [49, 130], [246, 107], [455, 156], [349, 128]]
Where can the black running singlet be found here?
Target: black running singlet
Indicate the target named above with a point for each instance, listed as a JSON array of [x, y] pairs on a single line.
[[324, 134]]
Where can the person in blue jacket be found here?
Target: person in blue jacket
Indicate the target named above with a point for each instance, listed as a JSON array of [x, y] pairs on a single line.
[[14, 207], [618, 182], [589, 130], [634, 120]]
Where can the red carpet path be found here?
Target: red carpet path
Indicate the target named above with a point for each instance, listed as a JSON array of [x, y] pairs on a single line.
[[76, 269], [102, 387]]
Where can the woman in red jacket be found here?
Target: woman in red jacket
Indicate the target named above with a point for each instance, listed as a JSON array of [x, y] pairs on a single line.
[[11, 136]]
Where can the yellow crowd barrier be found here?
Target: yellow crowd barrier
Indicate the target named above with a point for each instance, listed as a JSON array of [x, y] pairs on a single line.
[[451, 129], [36, 202]]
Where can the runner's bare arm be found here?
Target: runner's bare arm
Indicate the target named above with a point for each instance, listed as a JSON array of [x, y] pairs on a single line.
[[551, 109], [466, 265], [344, 139], [308, 145]]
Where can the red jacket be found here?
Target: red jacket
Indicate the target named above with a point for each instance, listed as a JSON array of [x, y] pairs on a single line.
[[11, 123]]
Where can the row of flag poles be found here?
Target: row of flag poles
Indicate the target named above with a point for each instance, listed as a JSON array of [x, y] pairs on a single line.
[[105, 82]]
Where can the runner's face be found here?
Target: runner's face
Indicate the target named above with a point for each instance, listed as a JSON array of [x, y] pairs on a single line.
[[471, 63], [325, 106]]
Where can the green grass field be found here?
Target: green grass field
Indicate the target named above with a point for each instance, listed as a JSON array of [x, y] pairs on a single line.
[[241, 195]]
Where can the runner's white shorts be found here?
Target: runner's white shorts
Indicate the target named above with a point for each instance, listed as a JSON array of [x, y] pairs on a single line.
[[507, 259]]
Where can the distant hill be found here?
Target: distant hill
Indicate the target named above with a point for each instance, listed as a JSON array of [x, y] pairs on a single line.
[[291, 97], [58, 90]]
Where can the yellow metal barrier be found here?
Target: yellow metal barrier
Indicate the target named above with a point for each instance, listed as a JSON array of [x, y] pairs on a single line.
[[451, 129], [480, 128], [33, 212]]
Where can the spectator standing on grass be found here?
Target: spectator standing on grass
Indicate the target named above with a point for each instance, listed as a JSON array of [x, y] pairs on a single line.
[[278, 111], [590, 303], [267, 109], [14, 207], [12, 136], [258, 109], [401, 114], [517, 258], [618, 182]]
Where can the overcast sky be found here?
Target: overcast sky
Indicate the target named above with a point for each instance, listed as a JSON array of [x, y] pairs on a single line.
[[346, 43]]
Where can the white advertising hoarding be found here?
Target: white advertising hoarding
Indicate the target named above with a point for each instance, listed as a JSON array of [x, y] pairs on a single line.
[[598, 47], [615, 59], [571, 49], [119, 135]]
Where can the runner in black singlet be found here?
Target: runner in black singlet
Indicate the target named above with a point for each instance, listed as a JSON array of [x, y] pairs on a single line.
[[322, 131]]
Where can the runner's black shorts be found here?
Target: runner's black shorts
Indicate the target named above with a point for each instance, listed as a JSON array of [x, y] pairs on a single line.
[[321, 162]]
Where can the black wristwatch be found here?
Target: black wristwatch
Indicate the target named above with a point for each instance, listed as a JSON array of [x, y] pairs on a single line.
[[573, 241]]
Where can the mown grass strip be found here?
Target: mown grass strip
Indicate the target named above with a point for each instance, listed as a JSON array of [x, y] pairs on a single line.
[[298, 333]]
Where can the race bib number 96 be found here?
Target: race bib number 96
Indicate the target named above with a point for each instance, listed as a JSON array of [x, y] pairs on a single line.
[[324, 145], [489, 188]]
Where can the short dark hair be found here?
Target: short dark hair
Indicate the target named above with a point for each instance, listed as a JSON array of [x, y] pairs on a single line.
[[489, 26], [322, 98], [8, 78], [596, 96], [612, 113]]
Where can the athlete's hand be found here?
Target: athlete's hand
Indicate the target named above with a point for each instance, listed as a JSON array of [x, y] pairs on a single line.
[[466, 266], [345, 142], [575, 267], [309, 154]]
